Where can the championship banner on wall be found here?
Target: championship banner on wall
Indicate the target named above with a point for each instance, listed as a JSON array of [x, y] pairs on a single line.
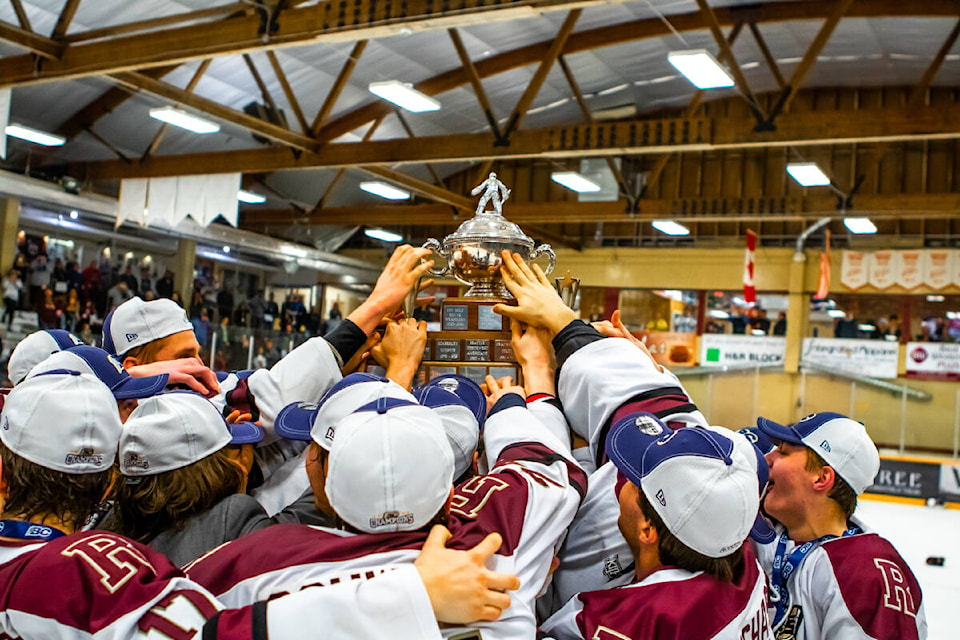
[[935, 268], [853, 269], [884, 269], [669, 348], [872, 358], [719, 350], [940, 360]]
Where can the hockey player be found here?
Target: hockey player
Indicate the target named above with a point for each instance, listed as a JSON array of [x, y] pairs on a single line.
[[688, 499], [55, 464], [830, 576]]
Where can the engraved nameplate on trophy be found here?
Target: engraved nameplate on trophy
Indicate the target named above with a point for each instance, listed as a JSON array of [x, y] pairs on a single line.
[[455, 317], [487, 320], [476, 350], [447, 350]]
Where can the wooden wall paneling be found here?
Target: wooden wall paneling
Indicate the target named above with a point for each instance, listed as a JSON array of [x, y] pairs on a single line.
[[775, 171], [914, 158], [523, 177], [711, 180], [690, 176]]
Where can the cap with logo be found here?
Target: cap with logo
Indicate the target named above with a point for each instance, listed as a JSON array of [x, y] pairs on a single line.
[[842, 443], [174, 430], [306, 421], [459, 423], [136, 323], [704, 484], [104, 366], [67, 423], [759, 439], [465, 389], [36, 348], [391, 468]]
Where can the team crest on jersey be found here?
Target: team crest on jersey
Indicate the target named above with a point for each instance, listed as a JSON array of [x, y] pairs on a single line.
[[612, 568], [86, 455], [133, 460], [391, 518]]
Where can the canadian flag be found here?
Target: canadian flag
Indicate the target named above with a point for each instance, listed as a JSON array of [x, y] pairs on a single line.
[[749, 290]]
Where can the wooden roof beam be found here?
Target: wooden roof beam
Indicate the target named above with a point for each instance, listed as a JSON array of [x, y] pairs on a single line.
[[880, 207], [340, 172], [324, 22], [164, 90], [162, 131], [155, 23], [640, 137], [767, 56], [288, 91], [421, 188], [27, 39], [475, 82], [22, 17], [338, 86], [66, 17], [807, 62]]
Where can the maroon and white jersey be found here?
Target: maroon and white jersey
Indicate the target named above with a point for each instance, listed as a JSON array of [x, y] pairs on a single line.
[[855, 587], [100, 585], [670, 604], [595, 554], [529, 497]]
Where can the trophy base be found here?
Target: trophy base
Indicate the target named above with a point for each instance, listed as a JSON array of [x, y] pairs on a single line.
[[489, 291]]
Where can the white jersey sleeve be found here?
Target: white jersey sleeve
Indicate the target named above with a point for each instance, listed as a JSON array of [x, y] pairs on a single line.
[[604, 375]]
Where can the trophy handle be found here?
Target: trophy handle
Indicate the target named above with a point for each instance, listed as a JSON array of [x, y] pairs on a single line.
[[434, 245], [551, 257]]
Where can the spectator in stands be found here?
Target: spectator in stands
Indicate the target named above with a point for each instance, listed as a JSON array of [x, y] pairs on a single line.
[[118, 294], [201, 327], [12, 286], [175, 296], [133, 283], [164, 285], [270, 312], [738, 321], [846, 327], [39, 278], [780, 327], [256, 305], [224, 303], [48, 312]]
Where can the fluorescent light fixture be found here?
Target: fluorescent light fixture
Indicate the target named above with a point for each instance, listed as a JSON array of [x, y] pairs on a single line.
[[184, 120], [670, 228], [808, 174], [385, 190], [866, 327], [719, 314], [837, 313], [404, 96], [383, 234], [860, 225], [574, 181], [250, 197], [932, 298], [701, 68], [757, 332], [34, 135]]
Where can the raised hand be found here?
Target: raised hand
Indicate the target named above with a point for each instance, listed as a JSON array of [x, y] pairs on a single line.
[[534, 353], [401, 273], [189, 372], [401, 350], [538, 303]]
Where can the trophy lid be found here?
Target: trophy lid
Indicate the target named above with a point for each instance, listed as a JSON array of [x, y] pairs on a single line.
[[490, 225]]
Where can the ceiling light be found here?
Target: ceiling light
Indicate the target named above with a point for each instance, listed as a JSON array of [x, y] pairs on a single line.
[[933, 298], [383, 234], [34, 135], [404, 96], [670, 228], [226, 248], [866, 327], [74, 214], [574, 181], [701, 68], [808, 174], [250, 197], [385, 190], [184, 120], [860, 225], [720, 314], [837, 313]]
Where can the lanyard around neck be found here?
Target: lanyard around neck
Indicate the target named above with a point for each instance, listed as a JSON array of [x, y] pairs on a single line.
[[28, 531], [784, 566]]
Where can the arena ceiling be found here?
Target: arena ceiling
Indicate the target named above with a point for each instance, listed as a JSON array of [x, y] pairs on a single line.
[[868, 88]]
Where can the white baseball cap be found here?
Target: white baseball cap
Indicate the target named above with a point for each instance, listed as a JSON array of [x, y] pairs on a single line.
[[106, 368], [459, 423], [842, 443], [703, 483], [306, 421], [35, 348], [174, 430], [65, 422], [391, 468], [135, 323]]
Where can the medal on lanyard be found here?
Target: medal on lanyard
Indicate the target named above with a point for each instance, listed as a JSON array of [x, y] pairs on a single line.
[[784, 566]]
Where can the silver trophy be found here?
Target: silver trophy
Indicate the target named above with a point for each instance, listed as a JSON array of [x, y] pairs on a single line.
[[473, 250]]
